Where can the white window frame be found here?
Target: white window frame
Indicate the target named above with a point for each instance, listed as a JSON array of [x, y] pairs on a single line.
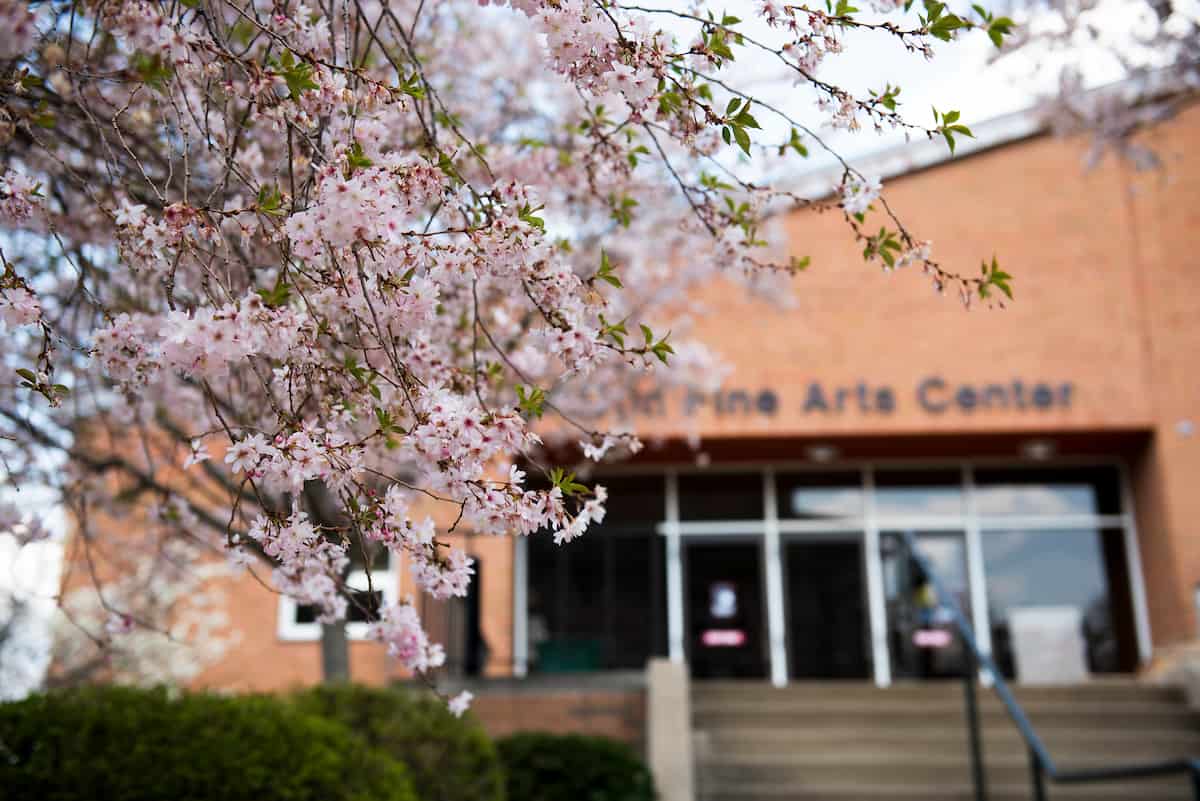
[[289, 630]]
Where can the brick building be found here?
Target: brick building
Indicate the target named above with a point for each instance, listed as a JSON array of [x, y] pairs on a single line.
[[1045, 456]]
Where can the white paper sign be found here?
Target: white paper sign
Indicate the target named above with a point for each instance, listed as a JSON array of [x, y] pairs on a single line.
[[1048, 645]]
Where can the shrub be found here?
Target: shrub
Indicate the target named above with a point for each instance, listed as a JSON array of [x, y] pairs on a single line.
[[448, 758], [140, 745], [572, 767]]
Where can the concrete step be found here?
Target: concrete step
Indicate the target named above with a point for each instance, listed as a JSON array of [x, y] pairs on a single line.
[[1065, 745], [836, 770], [1115, 689], [791, 713], [1159, 789]]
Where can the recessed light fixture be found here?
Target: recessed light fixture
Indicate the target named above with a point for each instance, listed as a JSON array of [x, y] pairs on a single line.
[[822, 453], [1038, 450]]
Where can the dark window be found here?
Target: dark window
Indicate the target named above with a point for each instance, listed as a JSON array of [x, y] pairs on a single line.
[[1070, 491], [730, 496], [632, 499], [364, 606], [819, 496], [598, 602]]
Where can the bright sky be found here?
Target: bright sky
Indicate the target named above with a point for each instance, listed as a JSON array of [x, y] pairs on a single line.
[[959, 77]]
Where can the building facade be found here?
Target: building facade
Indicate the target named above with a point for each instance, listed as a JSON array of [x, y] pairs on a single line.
[[1044, 455]]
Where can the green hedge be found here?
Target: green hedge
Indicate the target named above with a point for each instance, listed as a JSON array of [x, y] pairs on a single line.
[[449, 758], [572, 767], [140, 745]]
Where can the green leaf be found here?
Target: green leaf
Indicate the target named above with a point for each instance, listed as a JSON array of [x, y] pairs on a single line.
[[270, 201], [605, 273], [717, 44], [622, 210], [355, 160], [297, 74], [745, 119], [743, 138], [152, 69], [412, 86], [531, 400], [795, 143], [527, 216], [278, 295]]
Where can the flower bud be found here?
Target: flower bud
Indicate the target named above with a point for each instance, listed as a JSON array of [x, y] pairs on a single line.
[[53, 55]]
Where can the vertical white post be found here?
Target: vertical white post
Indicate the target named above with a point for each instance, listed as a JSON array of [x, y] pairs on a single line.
[[776, 633], [1137, 581], [876, 603], [520, 630], [976, 575], [674, 572]]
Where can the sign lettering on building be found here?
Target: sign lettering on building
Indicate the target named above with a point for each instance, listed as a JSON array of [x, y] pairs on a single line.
[[933, 395]]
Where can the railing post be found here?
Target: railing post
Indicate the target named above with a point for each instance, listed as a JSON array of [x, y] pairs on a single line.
[[1038, 776], [974, 734]]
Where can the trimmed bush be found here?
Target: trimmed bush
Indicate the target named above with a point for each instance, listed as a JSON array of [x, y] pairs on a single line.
[[141, 745], [448, 758], [573, 767]]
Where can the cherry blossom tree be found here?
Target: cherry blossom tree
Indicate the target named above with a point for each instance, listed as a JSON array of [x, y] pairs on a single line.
[[301, 281]]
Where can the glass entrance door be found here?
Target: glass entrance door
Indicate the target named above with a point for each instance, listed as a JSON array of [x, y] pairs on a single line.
[[922, 639], [828, 633], [726, 613]]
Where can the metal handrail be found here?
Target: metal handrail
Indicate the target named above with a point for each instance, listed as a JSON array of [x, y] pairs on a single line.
[[1041, 765]]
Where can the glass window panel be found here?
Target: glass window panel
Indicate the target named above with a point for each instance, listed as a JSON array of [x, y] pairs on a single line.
[[1071, 491], [730, 496], [923, 641], [919, 493], [826, 597], [638, 625], [364, 606], [819, 496], [596, 602], [583, 622], [1029, 571], [547, 580]]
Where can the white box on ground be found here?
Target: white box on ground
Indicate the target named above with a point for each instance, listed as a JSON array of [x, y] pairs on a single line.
[[1048, 645]]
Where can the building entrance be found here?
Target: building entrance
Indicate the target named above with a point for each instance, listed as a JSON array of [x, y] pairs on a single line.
[[801, 574], [828, 632], [726, 620]]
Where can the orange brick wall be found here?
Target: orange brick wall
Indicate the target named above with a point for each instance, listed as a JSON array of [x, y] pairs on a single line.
[[620, 714]]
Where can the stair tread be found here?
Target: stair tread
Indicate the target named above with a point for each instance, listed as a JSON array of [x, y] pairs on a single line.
[[869, 759]]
